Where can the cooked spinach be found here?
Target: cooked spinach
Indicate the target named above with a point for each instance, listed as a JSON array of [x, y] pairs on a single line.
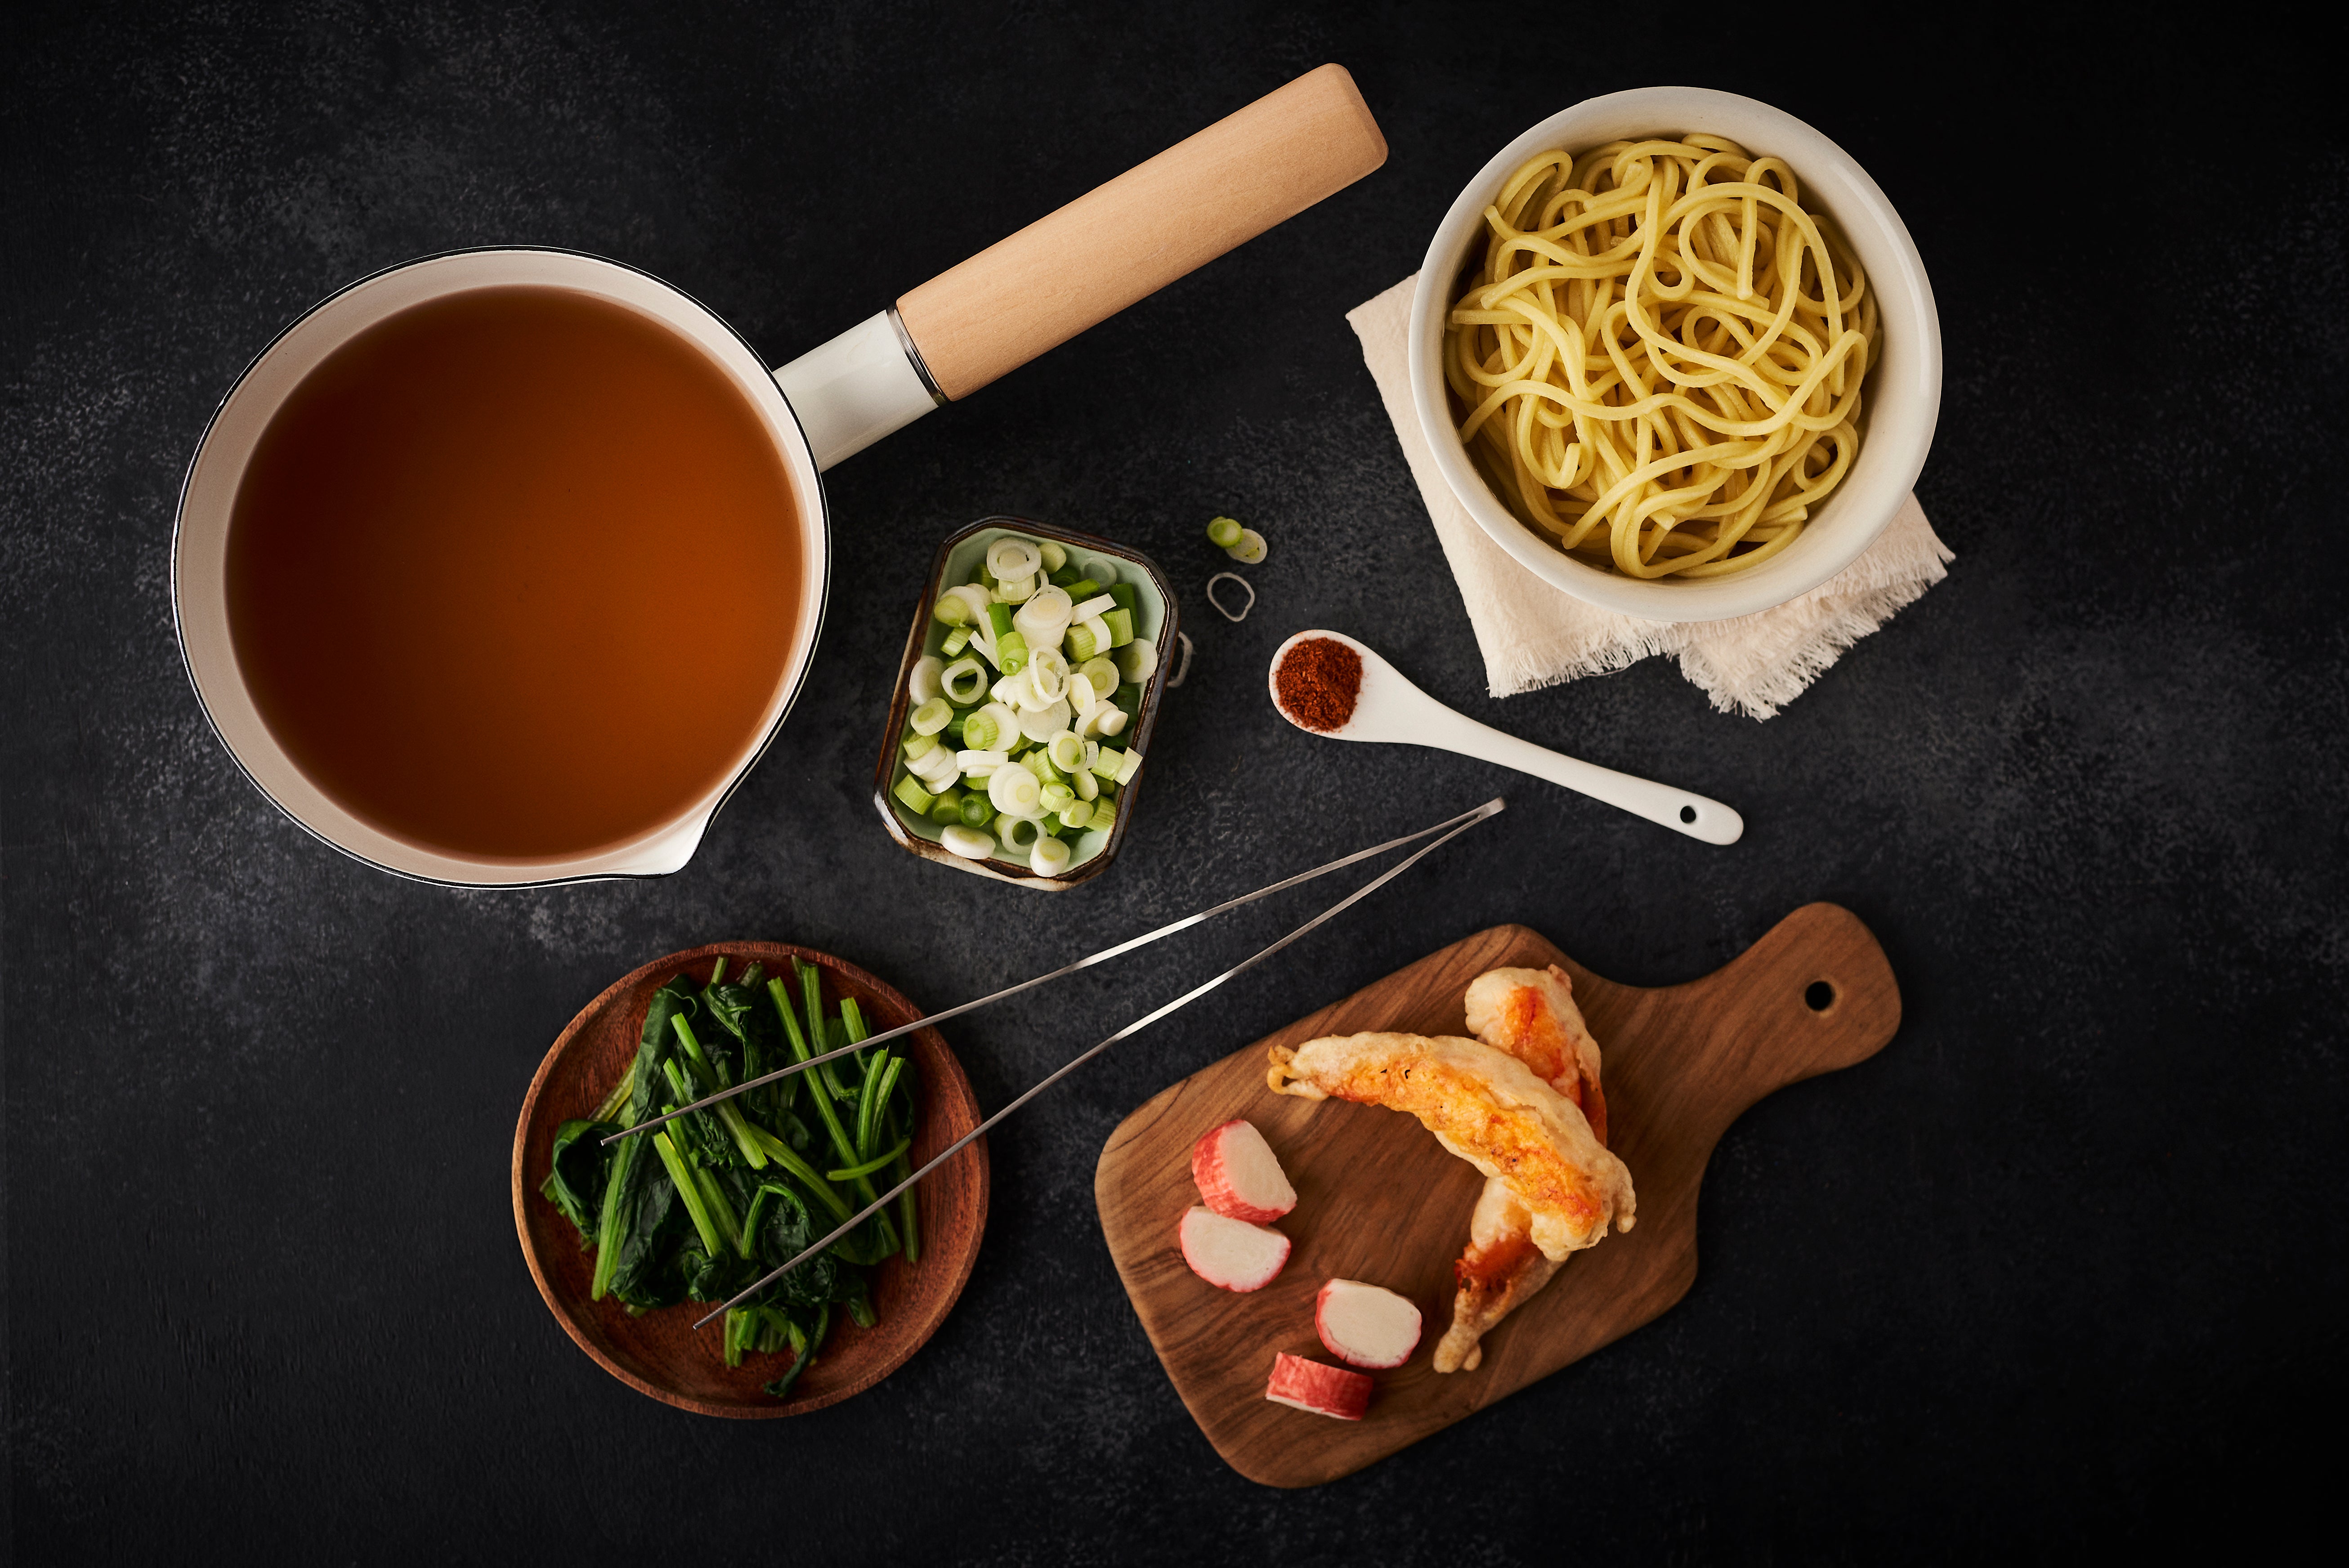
[[716, 1199]]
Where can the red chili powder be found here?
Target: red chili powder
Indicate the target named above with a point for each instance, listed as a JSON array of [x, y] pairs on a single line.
[[1318, 681]]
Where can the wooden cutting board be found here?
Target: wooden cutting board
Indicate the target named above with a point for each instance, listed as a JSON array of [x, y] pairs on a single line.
[[1379, 1200]]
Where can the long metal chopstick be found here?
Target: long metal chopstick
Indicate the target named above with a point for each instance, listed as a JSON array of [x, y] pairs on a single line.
[[1465, 821], [1103, 956]]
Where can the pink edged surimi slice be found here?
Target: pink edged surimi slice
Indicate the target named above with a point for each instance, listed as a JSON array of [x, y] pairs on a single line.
[[1365, 1325], [1231, 1253], [1239, 1175], [1318, 1386]]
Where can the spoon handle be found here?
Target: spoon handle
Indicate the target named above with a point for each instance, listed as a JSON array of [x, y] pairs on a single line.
[[1681, 810]]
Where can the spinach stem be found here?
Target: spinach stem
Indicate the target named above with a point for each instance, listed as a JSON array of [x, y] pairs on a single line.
[[870, 1166], [728, 1111], [782, 1154], [680, 1176]]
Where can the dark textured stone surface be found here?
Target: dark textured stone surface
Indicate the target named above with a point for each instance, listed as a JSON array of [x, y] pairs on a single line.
[[2064, 1263]]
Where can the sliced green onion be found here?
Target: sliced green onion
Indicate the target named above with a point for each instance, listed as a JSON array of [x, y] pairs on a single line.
[[1056, 798], [950, 611], [1018, 833], [1064, 574], [1080, 589], [1121, 628], [935, 768], [964, 681], [999, 619], [870, 1166], [1068, 752], [945, 810], [1113, 722], [1127, 599], [1250, 550], [1010, 689], [1041, 725], [1105, 763], [1104, 572], [1012, 653], [1138, 660], [1086, 641], [923, 683], [1102, 670], [978, 762], [1099, 605], [978, 731], [977, 810], [1079, 816], [919, 746], [968, 842], [1043, 618], [1048, 678], [1224, 532], [932, 715], [917, 798], [1015, 790], [1016, 590], [1011, 556], [1088, 787], [1054, 556], [1128, 769], [1050, 858], [1039, 763], [956, 641], [1104, 813]]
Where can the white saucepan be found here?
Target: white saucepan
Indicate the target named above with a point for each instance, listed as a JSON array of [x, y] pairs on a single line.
[[941, 341]]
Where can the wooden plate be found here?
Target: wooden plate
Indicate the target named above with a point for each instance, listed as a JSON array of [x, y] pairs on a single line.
[[1378, 1199], [659, 1354]]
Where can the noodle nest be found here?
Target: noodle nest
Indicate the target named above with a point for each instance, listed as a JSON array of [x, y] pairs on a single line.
[[1659, 364]]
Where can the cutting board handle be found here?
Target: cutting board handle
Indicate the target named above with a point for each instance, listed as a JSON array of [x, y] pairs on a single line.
[[1816, 994], [1141, 230]]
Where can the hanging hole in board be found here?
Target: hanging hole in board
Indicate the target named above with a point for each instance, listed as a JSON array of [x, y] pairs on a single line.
[[1819, 995], [1219, 603], [1688, 813]]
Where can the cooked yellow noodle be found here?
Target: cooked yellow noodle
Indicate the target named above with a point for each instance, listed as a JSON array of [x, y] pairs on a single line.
[[1659, 364]]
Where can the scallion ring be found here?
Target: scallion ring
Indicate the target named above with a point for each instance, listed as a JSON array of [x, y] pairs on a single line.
[[1014, 792], [968, 842], [1138, 660], [1041, 726], [1234, 577], [1050, 858], [932, 716], [1010, 557], [964, 681], [923, 684], [1067, 752]]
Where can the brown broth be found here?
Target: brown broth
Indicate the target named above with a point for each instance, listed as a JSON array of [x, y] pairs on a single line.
[[515, 573]]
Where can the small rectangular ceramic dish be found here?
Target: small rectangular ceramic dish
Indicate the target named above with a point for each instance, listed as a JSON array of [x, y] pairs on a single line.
[[958, 560]]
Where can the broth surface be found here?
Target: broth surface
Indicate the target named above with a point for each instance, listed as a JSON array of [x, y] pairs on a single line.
[[515, 573]]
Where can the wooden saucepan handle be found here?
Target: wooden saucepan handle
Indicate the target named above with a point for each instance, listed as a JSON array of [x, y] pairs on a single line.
[[1141, 230]]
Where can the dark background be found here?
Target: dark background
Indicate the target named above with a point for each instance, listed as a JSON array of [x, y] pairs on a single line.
[[2062, 1265]]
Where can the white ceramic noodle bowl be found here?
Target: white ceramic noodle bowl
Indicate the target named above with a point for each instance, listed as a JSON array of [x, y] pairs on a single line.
[[1390, 708], [1902, 398]]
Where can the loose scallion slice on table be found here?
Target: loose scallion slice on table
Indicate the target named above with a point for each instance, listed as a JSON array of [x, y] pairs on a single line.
[[1223, 532]]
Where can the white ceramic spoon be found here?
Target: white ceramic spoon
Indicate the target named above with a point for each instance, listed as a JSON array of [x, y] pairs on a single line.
[[1390, 707]]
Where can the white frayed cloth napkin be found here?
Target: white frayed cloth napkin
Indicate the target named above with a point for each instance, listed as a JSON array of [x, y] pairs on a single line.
[[1532, 636]]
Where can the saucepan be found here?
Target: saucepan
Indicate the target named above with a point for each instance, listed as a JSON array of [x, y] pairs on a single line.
[[1902, 398], [941, 341]]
